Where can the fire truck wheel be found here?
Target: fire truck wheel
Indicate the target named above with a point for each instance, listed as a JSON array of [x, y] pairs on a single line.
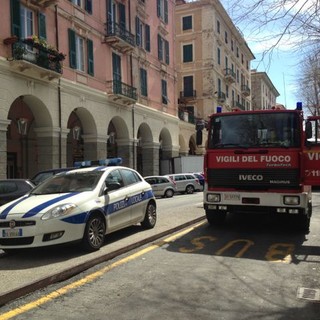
[[215, 218]]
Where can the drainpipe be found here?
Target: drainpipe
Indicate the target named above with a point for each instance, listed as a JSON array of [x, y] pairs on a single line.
[[132, 110], [59, 90]]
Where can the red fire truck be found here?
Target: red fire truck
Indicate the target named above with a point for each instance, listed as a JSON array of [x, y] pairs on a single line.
[[262, 161]]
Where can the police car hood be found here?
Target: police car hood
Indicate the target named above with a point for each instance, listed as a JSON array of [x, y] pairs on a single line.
[[31, 205]]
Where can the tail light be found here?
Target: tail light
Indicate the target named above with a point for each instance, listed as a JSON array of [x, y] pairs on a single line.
[[197, 181], [173, 181]]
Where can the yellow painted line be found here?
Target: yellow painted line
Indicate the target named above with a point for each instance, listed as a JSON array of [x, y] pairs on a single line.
[[91, 277]]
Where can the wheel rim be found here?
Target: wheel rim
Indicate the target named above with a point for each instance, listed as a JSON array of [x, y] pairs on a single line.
[[152, 215], [189, 189], [169, 193], [96, 232]]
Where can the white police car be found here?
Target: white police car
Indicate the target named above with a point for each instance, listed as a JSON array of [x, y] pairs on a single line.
[[83, 204]]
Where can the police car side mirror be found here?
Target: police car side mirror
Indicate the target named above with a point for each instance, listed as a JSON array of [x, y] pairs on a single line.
[[112, 186]]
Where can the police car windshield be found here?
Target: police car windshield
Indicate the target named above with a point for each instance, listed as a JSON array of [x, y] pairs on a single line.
[[69, 182], [279, 129]]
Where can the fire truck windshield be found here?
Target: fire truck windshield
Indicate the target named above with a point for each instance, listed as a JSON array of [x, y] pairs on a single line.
[[254, 130]]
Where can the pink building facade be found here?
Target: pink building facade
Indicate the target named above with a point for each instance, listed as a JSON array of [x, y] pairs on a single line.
[[87, 80]]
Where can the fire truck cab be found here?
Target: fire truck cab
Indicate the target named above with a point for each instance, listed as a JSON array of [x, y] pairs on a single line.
[[262, 161]]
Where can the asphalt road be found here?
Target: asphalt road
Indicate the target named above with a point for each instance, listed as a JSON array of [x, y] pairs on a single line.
[[30, 270], [253, 267]]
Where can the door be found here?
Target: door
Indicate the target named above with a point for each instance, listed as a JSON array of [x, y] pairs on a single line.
[[311, 152]]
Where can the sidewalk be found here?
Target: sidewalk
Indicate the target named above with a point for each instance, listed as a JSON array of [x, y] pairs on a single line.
[[30, 270]]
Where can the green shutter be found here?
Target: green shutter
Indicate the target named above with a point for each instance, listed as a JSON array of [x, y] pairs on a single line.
[[166, 45], [138, 32], [88, 6], [72, 49], [147, 36], [166, 11], [15, 18], [158, 8], [42, 26], [90, 57]]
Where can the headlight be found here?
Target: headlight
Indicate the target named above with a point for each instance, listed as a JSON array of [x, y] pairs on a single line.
[[291, 200], [213, 197], [59, 211]]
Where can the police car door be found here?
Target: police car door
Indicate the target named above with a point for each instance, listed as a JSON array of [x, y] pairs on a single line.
[[136, 192], [311, 153], [117, 201]]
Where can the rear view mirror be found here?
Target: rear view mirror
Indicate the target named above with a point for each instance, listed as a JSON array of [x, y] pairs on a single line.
[[308, 130]]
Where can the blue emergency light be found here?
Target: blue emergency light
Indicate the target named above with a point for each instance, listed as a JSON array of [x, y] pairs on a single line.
[[103, 162], [219, 109], [299, 106]]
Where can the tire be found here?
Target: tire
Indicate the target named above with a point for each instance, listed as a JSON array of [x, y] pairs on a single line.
[[150, 217], [189, 189], [94, 233], [215, 218], [169, 193]]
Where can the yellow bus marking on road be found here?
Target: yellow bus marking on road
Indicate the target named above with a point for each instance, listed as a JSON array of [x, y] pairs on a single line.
[[91, 277]]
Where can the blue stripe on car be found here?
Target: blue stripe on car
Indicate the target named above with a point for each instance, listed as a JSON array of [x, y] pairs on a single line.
[[46, 204], [5, 212]]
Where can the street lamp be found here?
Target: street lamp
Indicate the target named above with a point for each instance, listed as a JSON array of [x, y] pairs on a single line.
[[76, 132], [22, 126]]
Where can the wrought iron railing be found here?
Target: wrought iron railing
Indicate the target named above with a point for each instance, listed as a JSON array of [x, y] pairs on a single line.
[[120, 88], [115, 29]]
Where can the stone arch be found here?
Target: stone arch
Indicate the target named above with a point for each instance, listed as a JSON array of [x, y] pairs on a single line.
[[27, 143], [147, 162]]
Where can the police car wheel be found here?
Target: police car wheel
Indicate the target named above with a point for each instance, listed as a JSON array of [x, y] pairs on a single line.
[[94, 233], [150, 217]]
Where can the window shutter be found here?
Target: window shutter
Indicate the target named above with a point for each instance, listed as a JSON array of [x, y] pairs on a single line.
[[90, 57], [15, 18], [122, 16], [147, 36], [160, 49], [166, 44], [166, 11], [88, 6], [72, 49], [42, 26], [158, 8], [138, 32]]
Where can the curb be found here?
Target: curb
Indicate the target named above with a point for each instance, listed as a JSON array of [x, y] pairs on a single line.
[[72, 271]]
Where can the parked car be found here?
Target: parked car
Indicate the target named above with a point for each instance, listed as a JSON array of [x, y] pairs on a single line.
[[200, 176], [78, 205], [11, 189], [186, 182], [45, 174], [162, 186]]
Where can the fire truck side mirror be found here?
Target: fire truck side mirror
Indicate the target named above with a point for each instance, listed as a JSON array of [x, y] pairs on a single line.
[[308, 130]]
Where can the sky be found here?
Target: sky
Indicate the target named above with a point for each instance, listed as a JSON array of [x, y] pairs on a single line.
[[282, 65]]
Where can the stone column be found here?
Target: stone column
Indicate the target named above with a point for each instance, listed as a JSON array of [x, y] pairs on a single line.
[[125, 151], [150, 158], [95, 147], [3, 148], [48, 147]]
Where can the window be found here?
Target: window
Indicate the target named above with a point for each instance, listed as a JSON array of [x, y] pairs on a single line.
[[219, 55], [162, 10], [163, 50], [188, 86], [84, 4], [130, 177], [226, 37], [142, 35], [143, 82], [26, 22], [187, 23], [218, 26], [188, 53], [164, 93], [80, 53]]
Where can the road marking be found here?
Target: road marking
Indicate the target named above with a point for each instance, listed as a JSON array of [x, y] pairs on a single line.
[[91, 277]]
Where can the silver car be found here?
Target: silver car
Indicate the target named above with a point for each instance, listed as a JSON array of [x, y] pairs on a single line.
[[186, 182], [162, 186]]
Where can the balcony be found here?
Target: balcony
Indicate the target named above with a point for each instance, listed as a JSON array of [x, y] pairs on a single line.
[[229, 75], [36, 59], [221, 97], [44, 3], [186, 116], [187, 96], [119, 91], [245, 90], [238, 105], [118, 37]]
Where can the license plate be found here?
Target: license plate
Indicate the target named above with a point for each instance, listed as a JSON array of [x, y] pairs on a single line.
[[232, 196], [11, 233]]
